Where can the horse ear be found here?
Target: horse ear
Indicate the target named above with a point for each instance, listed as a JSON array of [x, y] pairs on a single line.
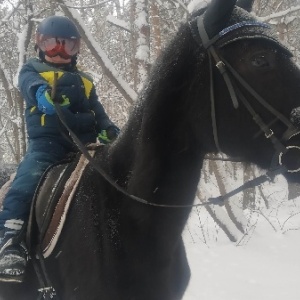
[[245, 4], [216, 16]]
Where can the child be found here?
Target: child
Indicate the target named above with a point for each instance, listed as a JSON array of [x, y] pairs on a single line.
[[57, 45]]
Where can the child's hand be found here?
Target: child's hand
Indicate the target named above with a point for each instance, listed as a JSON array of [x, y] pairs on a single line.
[[46, 103], [108, 135]]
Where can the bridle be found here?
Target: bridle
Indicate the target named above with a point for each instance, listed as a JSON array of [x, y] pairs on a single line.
[[228, 72]]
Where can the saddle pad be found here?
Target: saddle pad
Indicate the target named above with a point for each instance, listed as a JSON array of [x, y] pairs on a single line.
[[53, 200]]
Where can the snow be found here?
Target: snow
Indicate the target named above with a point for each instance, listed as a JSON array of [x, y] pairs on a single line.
[[120, 23], [280, 14], [21, 50], [263, 264], [267, 268], [194, 5], [6, 74]]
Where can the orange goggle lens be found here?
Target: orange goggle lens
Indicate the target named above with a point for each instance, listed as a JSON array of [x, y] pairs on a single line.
[[63, 47]]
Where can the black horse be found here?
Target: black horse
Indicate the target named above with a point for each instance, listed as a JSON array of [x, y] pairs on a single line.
[[116, 247]]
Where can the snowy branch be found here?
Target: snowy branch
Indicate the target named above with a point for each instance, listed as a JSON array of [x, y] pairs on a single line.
[[6, 18], [159, 2], [4, 76], [280, 14], [87, 6], [101, 57], [4, 128], [119, 23], [182, 5]]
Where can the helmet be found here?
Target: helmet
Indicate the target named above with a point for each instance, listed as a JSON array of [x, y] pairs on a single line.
[[58, 35]]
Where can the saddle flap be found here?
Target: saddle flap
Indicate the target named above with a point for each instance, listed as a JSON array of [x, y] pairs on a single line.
[[53, 199], [49, 191]]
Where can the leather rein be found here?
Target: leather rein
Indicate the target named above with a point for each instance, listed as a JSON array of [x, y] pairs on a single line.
[[235, 93]]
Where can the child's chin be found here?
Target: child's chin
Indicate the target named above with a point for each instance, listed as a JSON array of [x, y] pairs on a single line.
[[58, 60]]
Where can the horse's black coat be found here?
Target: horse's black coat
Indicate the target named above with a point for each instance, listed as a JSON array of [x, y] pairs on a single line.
[[116, 249]]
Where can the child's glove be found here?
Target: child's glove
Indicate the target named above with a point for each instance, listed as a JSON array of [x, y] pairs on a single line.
[[45, 102], [108, 135]]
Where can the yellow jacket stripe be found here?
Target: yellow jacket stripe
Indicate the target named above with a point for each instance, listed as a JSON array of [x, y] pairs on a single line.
[[49, 77]]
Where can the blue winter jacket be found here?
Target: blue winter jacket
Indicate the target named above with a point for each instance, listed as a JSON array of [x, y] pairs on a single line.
[[85, 115]]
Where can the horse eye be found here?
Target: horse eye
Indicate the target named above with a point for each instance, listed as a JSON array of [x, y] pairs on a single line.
[[260, 61]]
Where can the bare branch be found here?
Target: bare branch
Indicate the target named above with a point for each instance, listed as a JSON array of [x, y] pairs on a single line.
[[280, 14]]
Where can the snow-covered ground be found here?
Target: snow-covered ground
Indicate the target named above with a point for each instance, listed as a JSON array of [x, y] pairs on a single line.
[[268, 268], [262, 265]]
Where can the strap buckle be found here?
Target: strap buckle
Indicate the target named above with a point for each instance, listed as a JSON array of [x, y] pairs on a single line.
[[48, 292], [269, 134], [221, 66]]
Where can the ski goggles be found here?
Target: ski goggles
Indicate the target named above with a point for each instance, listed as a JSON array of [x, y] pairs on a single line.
[[53, 46]]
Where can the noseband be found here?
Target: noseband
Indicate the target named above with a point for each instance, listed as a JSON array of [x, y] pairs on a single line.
[[228, 72]]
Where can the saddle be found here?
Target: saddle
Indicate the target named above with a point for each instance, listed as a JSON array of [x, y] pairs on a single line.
[[51, 202]]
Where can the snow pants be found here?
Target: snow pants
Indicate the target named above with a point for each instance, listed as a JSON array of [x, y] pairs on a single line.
[[40, 155]]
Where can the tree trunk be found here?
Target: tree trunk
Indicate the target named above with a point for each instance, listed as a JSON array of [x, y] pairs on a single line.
[[155, 26], [140, 41]]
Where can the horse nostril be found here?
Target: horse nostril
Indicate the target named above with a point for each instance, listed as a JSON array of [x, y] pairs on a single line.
[[295, 116]]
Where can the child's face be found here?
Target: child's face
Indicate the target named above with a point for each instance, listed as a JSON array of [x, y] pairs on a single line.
[[57, 60]]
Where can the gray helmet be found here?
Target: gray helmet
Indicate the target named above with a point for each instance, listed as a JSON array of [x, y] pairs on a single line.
[[58, 26]]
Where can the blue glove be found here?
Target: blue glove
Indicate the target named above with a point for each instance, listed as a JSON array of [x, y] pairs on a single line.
[[108, 135], [45, 103]]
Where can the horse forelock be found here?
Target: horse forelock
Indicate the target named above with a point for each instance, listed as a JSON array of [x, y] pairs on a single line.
[[256, 30], [247, 27]]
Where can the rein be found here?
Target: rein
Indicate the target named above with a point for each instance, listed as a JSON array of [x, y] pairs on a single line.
[[96, 166], [270, 175], [276, 166]]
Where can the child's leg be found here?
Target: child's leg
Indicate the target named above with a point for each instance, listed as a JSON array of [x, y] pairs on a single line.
[[17, 202]]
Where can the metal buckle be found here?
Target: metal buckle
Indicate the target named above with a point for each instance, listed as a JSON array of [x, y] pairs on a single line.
[[220, 65], [268, 135], [48, 292]]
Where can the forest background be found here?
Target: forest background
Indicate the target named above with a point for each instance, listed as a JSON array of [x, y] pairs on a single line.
[[121, 39]]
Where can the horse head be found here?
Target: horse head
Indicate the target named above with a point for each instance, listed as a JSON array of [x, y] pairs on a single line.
[[254, 87]]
